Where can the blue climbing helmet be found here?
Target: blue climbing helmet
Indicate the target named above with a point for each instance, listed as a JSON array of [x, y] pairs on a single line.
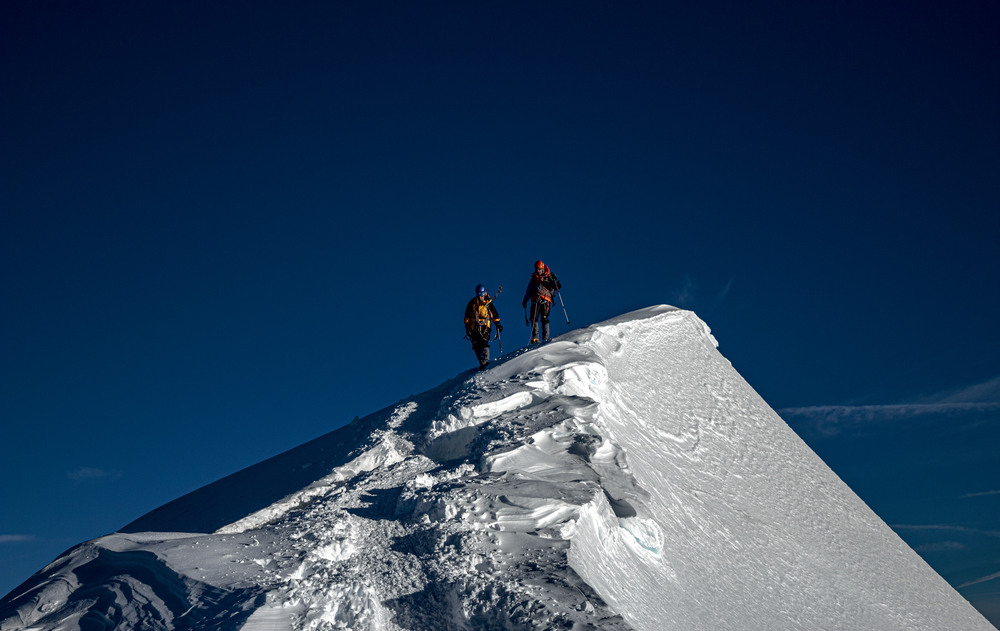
[[480, 291]]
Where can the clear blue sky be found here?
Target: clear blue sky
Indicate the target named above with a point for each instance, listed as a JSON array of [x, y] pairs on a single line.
[[230, 227]]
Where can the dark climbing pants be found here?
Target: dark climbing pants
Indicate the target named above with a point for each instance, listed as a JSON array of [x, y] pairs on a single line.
[[481, 345], [540, 311]]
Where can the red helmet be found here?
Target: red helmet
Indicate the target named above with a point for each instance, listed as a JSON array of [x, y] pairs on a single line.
[[539, 267]]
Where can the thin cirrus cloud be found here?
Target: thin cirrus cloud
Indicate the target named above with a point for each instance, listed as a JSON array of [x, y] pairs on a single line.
[[90, 473], [16, 538], [687, 295], [980, 494], [684, 295], [977, 581], [947, 527], [986, 392], [951, 546], [941, 546], [830, 420]]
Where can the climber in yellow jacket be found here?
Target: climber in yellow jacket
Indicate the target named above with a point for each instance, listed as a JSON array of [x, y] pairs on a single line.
[[480, 316]]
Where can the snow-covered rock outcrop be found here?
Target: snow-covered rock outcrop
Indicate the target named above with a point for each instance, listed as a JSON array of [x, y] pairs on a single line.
[[622, 476]]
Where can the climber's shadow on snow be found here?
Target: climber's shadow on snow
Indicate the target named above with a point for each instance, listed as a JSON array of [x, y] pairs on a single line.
[[381, 504]]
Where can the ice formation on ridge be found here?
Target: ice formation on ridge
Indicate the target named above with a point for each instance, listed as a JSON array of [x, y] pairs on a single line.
[[622, 476]]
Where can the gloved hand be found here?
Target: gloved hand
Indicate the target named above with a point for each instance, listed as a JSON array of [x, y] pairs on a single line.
[[558, 285], [499, 328]]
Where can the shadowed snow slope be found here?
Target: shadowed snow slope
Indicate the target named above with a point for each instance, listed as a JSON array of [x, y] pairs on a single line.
[[622, 476]]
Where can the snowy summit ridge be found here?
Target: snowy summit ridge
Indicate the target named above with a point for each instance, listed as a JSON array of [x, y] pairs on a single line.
[[622, 476]]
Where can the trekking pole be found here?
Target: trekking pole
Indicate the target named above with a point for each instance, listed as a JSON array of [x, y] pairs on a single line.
[[499, 341], [563, 306], [534, 314]]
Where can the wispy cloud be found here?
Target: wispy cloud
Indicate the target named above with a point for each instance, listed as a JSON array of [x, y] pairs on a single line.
[[991, 577], [684, 296], [948, 528], [16, 538], [721, 296], [90, 473], [687, 296], [981, 494], [942, 546], [830, 420], [986, 392]]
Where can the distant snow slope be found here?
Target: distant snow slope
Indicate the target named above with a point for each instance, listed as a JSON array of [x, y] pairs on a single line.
[[622, 476]]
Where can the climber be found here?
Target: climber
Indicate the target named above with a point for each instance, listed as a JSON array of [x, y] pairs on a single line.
[[480, 315], [541, 287]]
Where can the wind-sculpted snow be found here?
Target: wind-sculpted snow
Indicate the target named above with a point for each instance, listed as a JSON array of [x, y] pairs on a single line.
[[622, 476]]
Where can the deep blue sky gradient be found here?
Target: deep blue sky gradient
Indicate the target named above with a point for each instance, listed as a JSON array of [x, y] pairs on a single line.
[[229, 227]]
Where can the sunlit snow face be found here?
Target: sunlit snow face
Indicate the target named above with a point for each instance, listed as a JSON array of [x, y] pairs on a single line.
[[598, 481]]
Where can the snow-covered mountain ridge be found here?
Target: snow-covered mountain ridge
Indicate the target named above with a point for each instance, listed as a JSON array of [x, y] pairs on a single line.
[[622, 476]]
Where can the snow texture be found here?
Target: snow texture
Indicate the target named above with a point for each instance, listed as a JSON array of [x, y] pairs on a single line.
[[622, 476]]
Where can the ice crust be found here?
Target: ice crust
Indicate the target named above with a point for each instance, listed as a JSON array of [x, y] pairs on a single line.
[[622, 476]]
